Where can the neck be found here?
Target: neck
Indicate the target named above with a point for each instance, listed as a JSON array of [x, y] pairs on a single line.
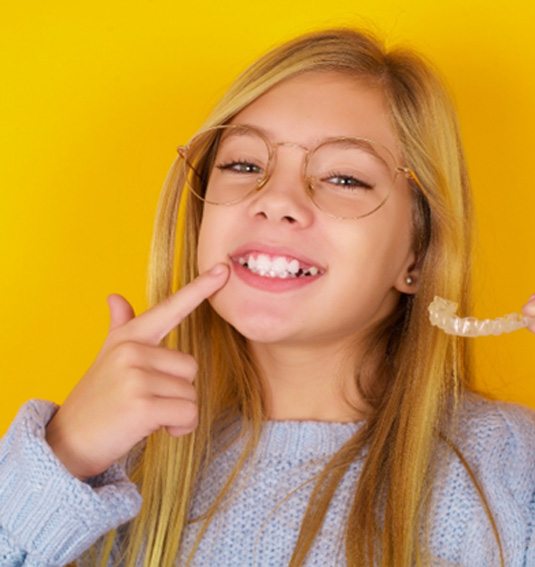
[[310, 382]]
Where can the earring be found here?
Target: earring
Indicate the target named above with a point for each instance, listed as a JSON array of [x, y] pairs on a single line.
[[409, 280]]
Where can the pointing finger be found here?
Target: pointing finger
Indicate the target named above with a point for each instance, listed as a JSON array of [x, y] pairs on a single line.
[[155, 323]]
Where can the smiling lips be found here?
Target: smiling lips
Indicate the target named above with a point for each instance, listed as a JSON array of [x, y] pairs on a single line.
[[274, 269]]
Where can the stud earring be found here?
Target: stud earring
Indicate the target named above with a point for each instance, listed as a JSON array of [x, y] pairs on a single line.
[[409, 280]]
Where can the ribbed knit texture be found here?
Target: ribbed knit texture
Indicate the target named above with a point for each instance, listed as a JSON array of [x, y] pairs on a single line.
[[47, 517]]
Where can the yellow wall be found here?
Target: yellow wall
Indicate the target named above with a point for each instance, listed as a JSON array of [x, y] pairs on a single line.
[[96, 96]]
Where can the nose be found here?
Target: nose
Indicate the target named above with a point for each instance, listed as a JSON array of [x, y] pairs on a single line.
[[284, 196]]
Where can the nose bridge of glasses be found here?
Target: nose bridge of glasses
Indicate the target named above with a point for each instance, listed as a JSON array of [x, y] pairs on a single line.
[[291, 145]]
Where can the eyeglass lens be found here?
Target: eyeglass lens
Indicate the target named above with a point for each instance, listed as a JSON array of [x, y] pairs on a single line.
[[346, 177]]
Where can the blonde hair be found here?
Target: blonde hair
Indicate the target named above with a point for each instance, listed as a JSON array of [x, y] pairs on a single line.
[[424, 374]]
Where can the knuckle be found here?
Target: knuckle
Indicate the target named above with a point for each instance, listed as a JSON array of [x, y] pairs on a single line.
[[193, 392], [189, 392], [126, 353], [192, 367], [144, 411], [190, 414], [135, 385]]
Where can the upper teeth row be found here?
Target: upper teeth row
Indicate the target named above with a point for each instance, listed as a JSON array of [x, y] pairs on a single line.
[[277, 267]]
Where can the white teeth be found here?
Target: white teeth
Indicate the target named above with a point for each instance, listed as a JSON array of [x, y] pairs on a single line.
[[279, 267], [262, 264], [293, 267]]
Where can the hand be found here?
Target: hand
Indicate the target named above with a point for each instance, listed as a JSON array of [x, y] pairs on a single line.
[[529, 311], [134, 386]]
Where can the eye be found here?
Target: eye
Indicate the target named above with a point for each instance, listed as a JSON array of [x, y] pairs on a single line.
[[239, 167], [346, 181]]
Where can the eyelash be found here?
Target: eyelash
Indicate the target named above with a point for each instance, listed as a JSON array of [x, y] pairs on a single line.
[[227, 166], [359, 182]]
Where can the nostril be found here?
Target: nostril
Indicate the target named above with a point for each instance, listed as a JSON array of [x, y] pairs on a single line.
[[288, 218]]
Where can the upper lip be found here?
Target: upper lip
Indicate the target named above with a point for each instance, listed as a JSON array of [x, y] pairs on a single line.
[[273, 250]]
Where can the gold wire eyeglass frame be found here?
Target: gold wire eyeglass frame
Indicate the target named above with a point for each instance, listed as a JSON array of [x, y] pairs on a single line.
[[184, 150]]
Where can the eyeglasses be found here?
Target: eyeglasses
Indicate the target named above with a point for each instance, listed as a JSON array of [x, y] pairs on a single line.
[[345, 177]]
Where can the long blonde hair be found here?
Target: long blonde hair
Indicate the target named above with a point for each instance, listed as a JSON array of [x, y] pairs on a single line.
[[424, 373]]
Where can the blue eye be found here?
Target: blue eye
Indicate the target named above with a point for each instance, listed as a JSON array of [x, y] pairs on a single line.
[[240, 167]]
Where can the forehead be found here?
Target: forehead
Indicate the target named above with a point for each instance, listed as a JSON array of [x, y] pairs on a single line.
[[312, 106]]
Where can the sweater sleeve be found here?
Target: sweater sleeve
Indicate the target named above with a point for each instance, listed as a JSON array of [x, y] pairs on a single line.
[[48, 516], [504, 457]]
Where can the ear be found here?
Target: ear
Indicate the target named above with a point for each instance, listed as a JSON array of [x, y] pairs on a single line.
[[408, 280]]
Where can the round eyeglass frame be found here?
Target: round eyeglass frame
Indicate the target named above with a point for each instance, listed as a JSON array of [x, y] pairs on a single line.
[[183, 151]]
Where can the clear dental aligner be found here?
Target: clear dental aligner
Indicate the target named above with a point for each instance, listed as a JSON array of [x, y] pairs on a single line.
[[442, 314]]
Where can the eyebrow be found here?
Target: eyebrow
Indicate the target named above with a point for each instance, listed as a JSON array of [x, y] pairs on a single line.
[[270, 135], [363, 143], [369, 148]]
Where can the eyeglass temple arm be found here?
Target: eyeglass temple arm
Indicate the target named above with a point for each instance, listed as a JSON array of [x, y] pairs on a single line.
[[410, 174]]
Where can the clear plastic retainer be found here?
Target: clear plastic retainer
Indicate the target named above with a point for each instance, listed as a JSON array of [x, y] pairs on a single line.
[[442, 314]]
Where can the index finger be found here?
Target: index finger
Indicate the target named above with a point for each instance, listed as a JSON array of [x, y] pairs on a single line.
[[154, 324]]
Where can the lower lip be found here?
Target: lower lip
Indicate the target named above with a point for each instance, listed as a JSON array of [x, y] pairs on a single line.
[[271, 284]]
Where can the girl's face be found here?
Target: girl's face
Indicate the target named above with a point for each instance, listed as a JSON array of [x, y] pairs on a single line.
[[363, 262]]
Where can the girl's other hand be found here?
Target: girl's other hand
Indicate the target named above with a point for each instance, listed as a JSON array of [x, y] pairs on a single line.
[[134, 386], [529, 311]]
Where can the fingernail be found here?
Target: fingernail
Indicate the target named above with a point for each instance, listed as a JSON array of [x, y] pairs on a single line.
[[218, 269], [532, 298]]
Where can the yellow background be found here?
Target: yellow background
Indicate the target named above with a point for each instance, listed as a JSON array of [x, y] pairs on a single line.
[[96, 96]]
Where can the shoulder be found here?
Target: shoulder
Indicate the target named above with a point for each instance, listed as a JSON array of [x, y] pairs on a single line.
[[496, 439], [489, 428]]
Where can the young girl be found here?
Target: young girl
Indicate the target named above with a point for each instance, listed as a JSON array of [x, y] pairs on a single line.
[[307, 413]]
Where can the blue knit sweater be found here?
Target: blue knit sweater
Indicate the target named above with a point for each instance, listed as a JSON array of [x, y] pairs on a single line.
[[48, 517]]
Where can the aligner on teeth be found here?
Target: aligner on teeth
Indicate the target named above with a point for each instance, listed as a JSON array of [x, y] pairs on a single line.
[[442, 314]]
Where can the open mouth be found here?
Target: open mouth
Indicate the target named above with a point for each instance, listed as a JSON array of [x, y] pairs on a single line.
[[274, 273], [276, 267]]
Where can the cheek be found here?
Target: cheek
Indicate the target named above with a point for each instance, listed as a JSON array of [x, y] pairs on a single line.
[[212, 245], [380, 250], [204, 249]]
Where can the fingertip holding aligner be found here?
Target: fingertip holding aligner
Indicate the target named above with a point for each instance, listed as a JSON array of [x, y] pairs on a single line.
[[442, 314]]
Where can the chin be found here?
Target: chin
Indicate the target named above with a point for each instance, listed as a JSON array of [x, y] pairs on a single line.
[[258, 335], [259, 325]]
